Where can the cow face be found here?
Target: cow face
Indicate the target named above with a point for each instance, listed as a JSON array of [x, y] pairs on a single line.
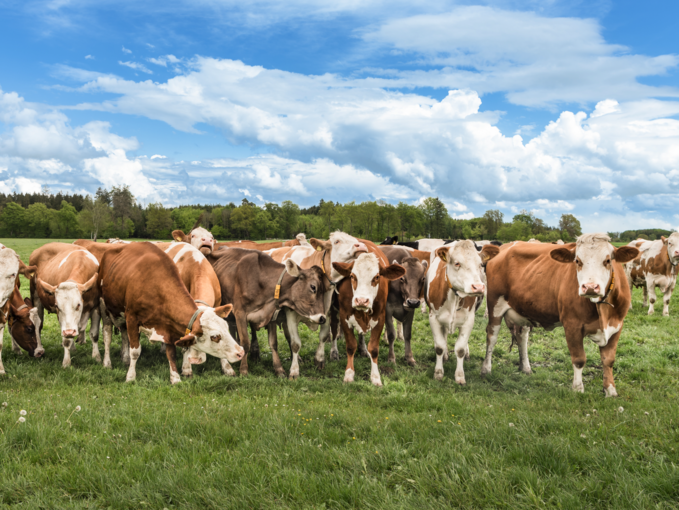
[[464, 266], [365, 276], [593, 255], [24, 329], [199, 238], [210, 334], [68, 298], [306, 293], [9, 269], [411, 284], [672, 244], [389, 241], [343, 248]]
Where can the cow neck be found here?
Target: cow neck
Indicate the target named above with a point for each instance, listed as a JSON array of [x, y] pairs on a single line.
[[609, 288], [450, 286]]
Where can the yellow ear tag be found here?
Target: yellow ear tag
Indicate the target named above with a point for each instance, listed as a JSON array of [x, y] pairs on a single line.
[[443, 258], [277, 293], [318, 248], [187, 332]]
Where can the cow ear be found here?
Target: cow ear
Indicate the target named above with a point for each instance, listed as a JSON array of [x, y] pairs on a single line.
[[84, 287], [320, 244], [625, 254], [46, 287], [343, 268], [664, 240], [292, 268], [488, 252], [442, 253], [28, 302], [186, 341], [395, 238], [179, 236], [564, 255], [425, 264], [27, 271], [224, 311], [393, 272]]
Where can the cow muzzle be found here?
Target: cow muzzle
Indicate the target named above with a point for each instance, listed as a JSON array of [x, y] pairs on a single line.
[[240, 352], [590, 289], [37, 353], [362, 304], [361, 248], [477, 288], [69, 333], [411, 303]]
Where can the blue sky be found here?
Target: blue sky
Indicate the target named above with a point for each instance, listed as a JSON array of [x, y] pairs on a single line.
[[549, 106]]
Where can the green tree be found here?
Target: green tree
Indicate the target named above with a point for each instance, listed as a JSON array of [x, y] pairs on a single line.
[[13, 219], [38, 218], [65, 222], [158, 221], [435, 213], [122, 202], [570, 227], [494, 219], [94, 216], [242, 219], [289, 215]]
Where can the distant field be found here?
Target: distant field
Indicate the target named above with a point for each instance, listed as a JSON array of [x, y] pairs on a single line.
[[215, 442]]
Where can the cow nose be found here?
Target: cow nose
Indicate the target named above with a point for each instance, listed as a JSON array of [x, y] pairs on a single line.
[[361, 247], [240, 353], [69, 333], [361, 301], [322, 319], [590, 288], [413, 303], [38, 353], [478, 288]]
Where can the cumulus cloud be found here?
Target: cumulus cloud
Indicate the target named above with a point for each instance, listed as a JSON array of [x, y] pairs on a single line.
[[164, 60], [136, 66]]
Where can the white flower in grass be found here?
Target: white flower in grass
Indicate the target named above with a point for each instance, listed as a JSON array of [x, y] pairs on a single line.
[[583, 436], [621, 409], [594, 410], [4, 404], [77, 409], [23, 413], [646, 413], [511, 424], [21, 419]]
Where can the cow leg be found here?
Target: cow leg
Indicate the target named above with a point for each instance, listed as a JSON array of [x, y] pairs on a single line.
[[391, 335], [323, 336], [124, 346], [254, 344], [68, 344], [15, 346], [645, 287], [522, 340], [399, 331], [631, 286], [351, 351], [82, 328], [574, 340], [171, 353], [242, 325], [667, 295], [134, 346], [407, 335], [492, 331], [607, 360], [2, 335], [334, 332], [362, 350], [651, 296], [108, 335], [187, 369], [440, 334], [462, 347], [291, 326], [273, 345], [95, 317], [374, 350]]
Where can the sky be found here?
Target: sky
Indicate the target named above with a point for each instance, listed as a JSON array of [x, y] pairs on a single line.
[[549, 106]]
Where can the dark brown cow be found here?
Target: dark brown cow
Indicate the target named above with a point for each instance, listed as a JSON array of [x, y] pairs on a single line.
[[65, 284], [142, 292], [249, 279], [21, 317], [363, 302], [581, 286]]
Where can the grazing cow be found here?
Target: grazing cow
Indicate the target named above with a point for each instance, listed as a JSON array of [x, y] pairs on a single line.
[[363, 302], [258, 287], [581, 286], [65, 283], [656, 266], [24, 323], [404, 297], [455, 275], [142, 292]]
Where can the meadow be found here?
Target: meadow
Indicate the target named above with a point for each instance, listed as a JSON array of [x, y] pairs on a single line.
[[213, 442]]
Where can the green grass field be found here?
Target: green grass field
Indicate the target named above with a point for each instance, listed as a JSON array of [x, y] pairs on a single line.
[[215, 442]]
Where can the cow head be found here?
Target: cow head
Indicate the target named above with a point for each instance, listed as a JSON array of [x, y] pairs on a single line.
[[672, 243], [463, 266], [9, 270], [365, 273], [342, 247], [68, 298], [411, 284], [210, 334], [389, 241], [25, 328], [307, 291], [198, 237], [593, 255]]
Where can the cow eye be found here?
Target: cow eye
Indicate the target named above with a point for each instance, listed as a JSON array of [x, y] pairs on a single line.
[[77, 306], [313, 288], [578, 262], [458, 265], [216, 338]]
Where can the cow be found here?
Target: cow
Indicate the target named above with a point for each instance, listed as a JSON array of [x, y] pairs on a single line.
[[404, 296], [362, 304], [114, 240], [202, 283], [23, 325], [142, 292], [258, 287], [581, 286], [455, 274], [65, 283], [656, 266]]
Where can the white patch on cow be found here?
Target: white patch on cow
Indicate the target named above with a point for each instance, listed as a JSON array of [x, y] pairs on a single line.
[[185, 249], [375, 373], [214, 326], [372, 323], [152, 335], [351, 322], [316, 318], [599, 338], [429, 244], [592, 250], [501, 307], [70, 304], [84, 252], [349, 375], [344, 248], [174, 377], [132, 371], [9, 268], [299, 253], [91, 257], [577, 380], [366, 268], [35, 319], [609, 331], [463, 268], [610, 391]]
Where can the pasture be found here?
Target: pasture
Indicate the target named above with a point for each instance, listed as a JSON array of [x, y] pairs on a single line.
[[212, 442]]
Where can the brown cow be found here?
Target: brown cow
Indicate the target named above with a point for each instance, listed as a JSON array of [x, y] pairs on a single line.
[[22, 318], [64, 283], [655, 266], [142, 292], [249, 280], [581, 286]]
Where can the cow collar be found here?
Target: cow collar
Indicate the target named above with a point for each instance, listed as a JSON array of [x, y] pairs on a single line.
[[608, 290], [277, 294], [193, 319], [201, 302]]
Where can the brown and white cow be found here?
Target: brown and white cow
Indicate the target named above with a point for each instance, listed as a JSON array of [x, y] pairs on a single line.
[[259, 287], [65, 284], [455, 274], [581, 286], [655, 266], [363, 302], [142, 292], [201, 281]]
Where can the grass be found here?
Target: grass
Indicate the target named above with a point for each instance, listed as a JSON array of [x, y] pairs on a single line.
[[261, 442]]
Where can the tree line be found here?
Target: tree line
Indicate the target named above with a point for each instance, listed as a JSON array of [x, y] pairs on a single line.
[[116, 213]]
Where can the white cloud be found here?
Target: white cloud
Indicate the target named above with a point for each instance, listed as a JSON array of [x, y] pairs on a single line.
[[158, 156], [164, 60], [89, 57], [136, 66], [125, 50]]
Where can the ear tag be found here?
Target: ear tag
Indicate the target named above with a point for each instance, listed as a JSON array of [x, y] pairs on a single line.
[[318, 248], [277, 293], [187, 332]]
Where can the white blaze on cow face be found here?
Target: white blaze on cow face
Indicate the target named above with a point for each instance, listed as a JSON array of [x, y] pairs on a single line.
[[672, 243], [9, 269], [201, 238], [365, 280], [216, 339], [593, 258], [69, 303], [463, 267], [345, 248]]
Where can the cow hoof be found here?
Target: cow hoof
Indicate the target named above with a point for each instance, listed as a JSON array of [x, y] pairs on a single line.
[[527, 371], [174, 378], [126, 361], [391, 359], [243, 373], [334, 355], [579, 388], [187, 373], [610, 391], [460, 380], [96, 357], [320, 365], [377, 383], [229, 372], [349, 376], [107, 363], [666, 315], [281, 374], [293, 377], [485, 371], [411, 362], [131, 377], [66, 365], [650, 313], [438, 375], [17, 351], [2, 372]]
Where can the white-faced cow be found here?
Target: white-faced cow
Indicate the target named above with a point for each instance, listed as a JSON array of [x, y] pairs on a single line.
[[65, 284], [455, 274], [655, 266], [142, 292], [198, 237], [581, 286]]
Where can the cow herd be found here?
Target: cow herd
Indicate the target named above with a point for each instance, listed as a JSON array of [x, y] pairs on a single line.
[[211, 298]]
